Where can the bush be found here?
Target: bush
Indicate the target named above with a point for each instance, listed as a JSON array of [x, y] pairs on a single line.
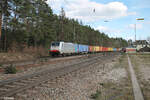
[[10, 69], [96, 95]]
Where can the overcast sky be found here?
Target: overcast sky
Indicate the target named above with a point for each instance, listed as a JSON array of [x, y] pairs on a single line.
[[120, 14]]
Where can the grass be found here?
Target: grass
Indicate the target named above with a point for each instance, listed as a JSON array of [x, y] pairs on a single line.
[[141, 61], [120, 61], [111, 90], [42, 60], [10, 69], [122, 58], [96, 95], [116, 91], [145, 58]]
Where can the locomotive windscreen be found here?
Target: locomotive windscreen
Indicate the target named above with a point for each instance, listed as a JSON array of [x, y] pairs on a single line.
[[55, 44]]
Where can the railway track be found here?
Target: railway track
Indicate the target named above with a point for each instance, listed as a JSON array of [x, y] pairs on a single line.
[[35, 63], [37, 60], [40, 59], [27, 62], [15, 85]]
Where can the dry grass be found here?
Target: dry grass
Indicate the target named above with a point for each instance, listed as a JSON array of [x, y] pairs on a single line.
[[121, 90], [26, 54], [141, 64]]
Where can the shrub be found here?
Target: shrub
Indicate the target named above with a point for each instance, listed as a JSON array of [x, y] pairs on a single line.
[[96, 95], [10, 69]]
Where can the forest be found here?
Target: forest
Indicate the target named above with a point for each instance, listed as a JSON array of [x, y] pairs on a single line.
[[32, 23]]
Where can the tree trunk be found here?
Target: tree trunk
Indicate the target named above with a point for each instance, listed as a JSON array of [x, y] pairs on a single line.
[[0, 31], [0, 25], [5, 42]]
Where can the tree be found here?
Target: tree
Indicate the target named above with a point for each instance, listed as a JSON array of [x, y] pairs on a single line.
[[0, 25], [130, 42], [1, 7], [4, 17], [148, 39], [62, 17], [32, 23]]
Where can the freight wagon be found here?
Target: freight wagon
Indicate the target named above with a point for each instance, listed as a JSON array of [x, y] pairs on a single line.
[[66, 48], [83, 48], [130, 50]]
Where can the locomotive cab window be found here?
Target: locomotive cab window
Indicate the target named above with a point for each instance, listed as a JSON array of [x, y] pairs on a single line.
[[55, 44]]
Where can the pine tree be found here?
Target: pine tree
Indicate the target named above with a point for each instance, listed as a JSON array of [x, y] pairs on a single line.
[[32, 22]]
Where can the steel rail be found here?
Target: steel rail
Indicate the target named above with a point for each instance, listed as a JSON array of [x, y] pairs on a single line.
[[3, 82], [43, 76], [47, 76], [33, 61]]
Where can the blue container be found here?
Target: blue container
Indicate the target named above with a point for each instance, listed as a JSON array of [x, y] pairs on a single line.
[[114, 49], [86, 47], [80, 48], [76, 48], [83, 48]]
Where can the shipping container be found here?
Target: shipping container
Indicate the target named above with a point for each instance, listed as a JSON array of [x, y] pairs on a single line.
[[76, 48], [130, 50], [83, 48], [97, 48], [100, 48], [114, 49]]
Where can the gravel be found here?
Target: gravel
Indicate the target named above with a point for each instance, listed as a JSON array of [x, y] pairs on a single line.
[[78, 85], [38, 67], [115, 75]]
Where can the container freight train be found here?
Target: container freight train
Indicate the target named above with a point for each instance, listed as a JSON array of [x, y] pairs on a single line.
[[66, 48]]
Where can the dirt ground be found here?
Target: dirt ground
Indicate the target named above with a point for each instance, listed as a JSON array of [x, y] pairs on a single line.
[[141, 64], [26, 54], [6, 57], [116, 84], [108, 79]]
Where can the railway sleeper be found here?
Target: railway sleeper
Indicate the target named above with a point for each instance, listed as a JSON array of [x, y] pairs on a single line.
[[60, 73], [19, 95], [32, 79], [19, 83], [3, 89], [25, 81], [11, 86]]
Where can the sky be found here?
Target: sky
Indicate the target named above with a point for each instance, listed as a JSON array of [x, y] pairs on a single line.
[[120, 16]]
